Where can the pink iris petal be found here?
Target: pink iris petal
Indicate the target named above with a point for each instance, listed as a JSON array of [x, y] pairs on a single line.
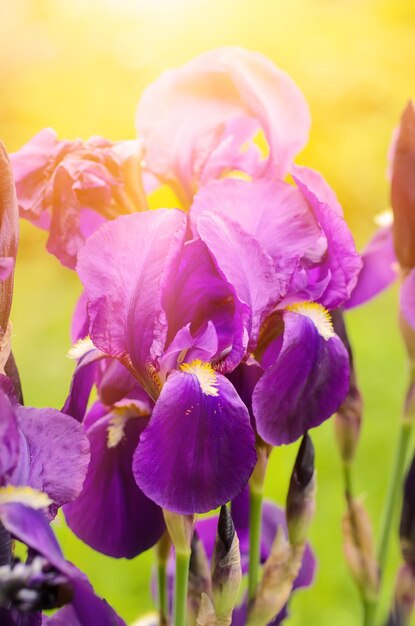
[[198, 450], [111, 514], [183, 117], [379, 271], [315, 183], [306, 384], [71, 187], [408, 298], [125, 267], [342, 263], [6, 267]]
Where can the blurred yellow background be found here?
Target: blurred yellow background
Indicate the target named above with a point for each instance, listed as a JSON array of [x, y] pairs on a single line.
[[80, 66]]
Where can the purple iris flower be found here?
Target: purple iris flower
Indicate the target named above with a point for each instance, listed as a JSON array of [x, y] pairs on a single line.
[[281, 246], [46, 580], [272, 518]]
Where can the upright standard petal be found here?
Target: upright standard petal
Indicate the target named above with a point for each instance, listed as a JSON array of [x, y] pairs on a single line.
[[112, 515], [245, 265], [342, 263], [198, 450], [54, 454], [184, 116], [308, 381], [125, 267]]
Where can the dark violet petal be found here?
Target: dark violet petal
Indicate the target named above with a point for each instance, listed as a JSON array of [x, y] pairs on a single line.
[[379, 271], [244, 378], [125, 267], [245, 264], [186, 347], [200, 294], [83, 380], [54, 454], [9, 437], [13, 617], [408, 298], [31, 527], [114, 381], [111, 514], [342, 263], [306, 384], [88, 608], [198, 450]]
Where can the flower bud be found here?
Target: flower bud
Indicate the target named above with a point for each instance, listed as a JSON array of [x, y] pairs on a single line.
[[403, 189], [206, 615], [180, 529], [349, 415], [301, 494], [407, 523], [226, 568], [199, 579], [280, 571], [359, 548], [404, 598]]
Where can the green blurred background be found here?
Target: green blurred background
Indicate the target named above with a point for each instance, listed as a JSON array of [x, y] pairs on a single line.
[[80, 67]]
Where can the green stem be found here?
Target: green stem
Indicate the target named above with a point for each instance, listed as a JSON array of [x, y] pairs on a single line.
[[255, 515], [394, 491], [162, 592], [182, 577], [369, 607]]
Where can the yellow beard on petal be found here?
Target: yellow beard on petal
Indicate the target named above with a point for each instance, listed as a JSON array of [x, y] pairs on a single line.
[[80, 348], [121, 414], [24, 495], [205, 374], [317, 314]]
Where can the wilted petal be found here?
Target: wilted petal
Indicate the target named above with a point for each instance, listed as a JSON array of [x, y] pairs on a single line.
[[198, 449], [408, 298], [112, 515], [308, 381], [342, 263], [54, 454], [183, 117], [125, 267], [379, 270]]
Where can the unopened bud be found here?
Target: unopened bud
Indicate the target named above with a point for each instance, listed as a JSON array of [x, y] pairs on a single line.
[[403, 189], [226, 568], [206, 615], [301, 493], [349, 416], [359, 548], [407, 523], [199, 579], [180, 529], [404, 598], [408, 336], [280, 571]]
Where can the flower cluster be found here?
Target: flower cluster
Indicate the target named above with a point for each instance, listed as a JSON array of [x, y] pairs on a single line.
[[205, 329]]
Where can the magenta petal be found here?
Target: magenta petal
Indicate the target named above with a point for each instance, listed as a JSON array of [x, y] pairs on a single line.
[[125, 267], [343, 263], [408, 298], [306, 384], [380, 268], [111, 514], [55, 455], [198, 450], [245, 264]]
